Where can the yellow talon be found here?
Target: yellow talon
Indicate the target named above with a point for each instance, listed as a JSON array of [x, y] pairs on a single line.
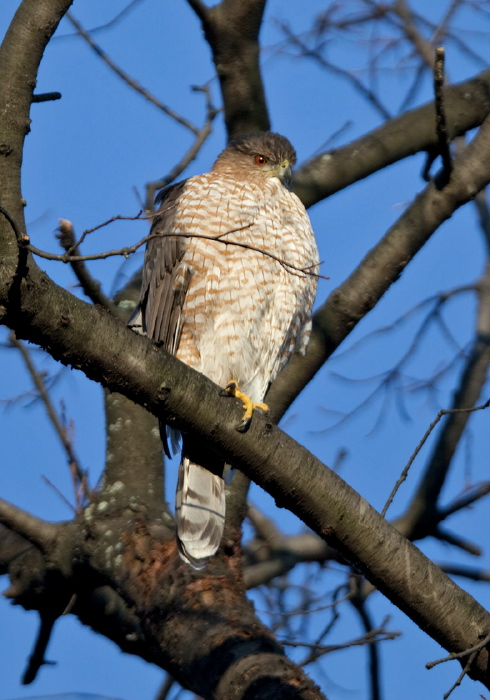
[[233, 390]]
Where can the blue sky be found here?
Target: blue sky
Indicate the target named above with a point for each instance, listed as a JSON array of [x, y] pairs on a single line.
[[85, 157]]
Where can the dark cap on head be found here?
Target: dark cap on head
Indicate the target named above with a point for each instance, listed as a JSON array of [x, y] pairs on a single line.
[[261, 154], [274, 147]]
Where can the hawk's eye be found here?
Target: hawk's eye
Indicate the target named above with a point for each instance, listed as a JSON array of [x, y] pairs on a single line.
[[260, 160]]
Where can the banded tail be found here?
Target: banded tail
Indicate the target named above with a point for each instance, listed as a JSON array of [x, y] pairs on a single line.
[[200, 513]]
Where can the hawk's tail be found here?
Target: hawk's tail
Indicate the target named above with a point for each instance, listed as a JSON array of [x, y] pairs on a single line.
[[200, 513]]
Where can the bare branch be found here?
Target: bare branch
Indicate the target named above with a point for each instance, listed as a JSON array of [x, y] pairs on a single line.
[[128, 250], [165, 688], [378, 634], [443, 412], [466, 572], [475, 494], [39, 532], [119, 217], [232, 29], [46, 97], [134, 84], [200, 9], [462, 654], [399, 138], [358, 601], [315, 54], [56, 422], [189, 156], [441, 124], [423, 47], [481, 205], [111, 23], [91, 287], [422, 511], [36, 659]]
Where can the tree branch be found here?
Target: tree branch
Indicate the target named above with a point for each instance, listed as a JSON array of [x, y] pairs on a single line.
[[131, 81], [232, 30], [39, 532], [91, 287], [188, 157], [467, 105], [422, 513]]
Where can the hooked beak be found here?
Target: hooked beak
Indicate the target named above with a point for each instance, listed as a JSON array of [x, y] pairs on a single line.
[[283, 172]]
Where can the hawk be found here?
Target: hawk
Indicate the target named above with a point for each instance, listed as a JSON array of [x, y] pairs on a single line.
[[228, 285]]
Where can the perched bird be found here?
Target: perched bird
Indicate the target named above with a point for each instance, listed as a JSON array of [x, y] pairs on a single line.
[[228, 286]]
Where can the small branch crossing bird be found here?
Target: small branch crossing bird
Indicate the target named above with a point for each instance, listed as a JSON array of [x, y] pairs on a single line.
[[228, 285]]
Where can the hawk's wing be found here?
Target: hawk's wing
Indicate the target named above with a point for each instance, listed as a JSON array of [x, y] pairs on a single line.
[[165, 278], [164, 287]]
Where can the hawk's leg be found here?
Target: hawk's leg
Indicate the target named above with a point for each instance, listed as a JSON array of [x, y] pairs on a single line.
[[233, 390]]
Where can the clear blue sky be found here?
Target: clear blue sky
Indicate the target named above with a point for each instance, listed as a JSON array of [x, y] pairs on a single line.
[[85, 157]]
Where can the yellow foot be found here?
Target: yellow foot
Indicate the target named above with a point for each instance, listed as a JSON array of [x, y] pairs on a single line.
[[233, 390]]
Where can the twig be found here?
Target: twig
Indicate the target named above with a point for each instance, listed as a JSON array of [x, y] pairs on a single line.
[[128, 250], [57, 423], [189, 156], [46, 97], [59, 493], [165, 688], [441, 123], [316, 55], [461, 675], [466, 572], [472, 652], [456, 541], [479, 491], [90, 286], [358, 601], [127, 79], [200, 9], [36, 659], [466, 396], [376, 635], [118, 217], [441, 414], [117, 18]]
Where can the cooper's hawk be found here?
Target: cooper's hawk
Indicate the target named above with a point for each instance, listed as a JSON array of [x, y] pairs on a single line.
[[228, 286]]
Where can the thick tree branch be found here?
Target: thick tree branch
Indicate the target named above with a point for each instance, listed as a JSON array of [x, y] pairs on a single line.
[[20, 54], [232, 30], [39, 532], [467, 104]]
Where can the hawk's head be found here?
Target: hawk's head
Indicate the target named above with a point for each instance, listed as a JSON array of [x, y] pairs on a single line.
[[260, 154]]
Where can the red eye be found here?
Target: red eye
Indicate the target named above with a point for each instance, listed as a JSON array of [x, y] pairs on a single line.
[[260, 160]]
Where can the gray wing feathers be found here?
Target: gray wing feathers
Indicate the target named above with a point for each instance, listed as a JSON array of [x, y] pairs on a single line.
[[165, 277], [165, 286], [200, 513]]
